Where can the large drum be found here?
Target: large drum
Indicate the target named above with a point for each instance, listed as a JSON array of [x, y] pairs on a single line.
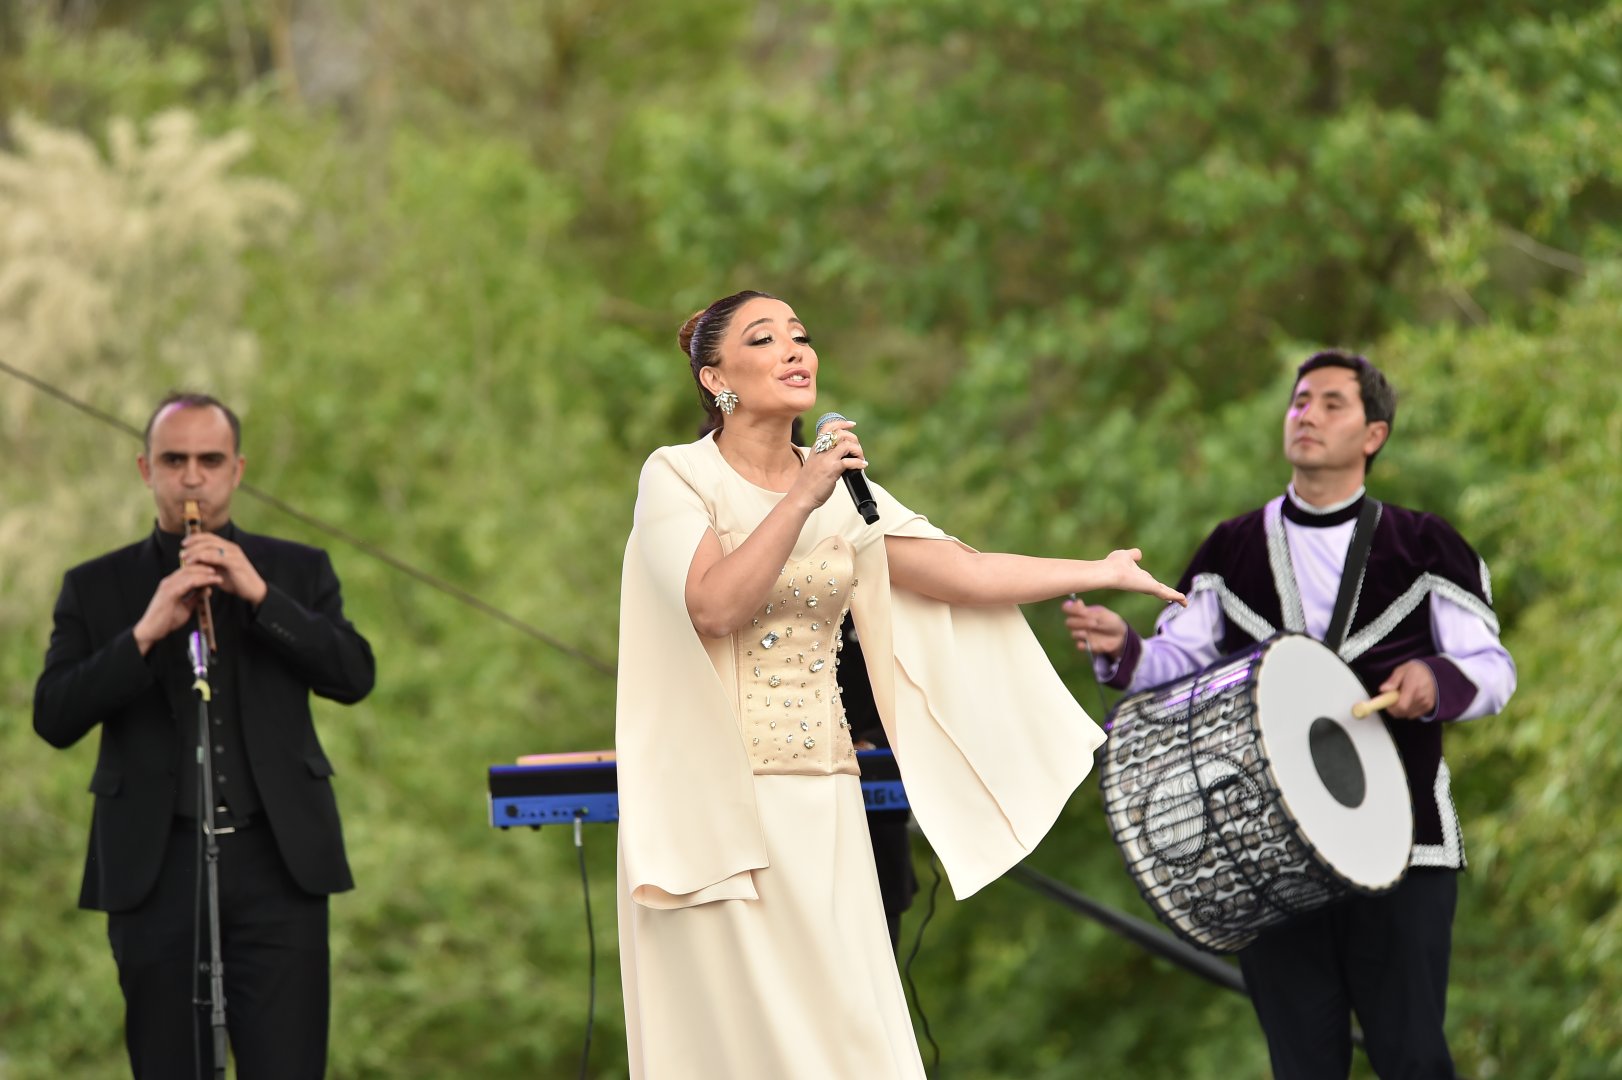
[[1247, 794]]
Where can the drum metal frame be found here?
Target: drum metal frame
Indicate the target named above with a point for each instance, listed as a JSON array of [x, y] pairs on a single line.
[[1213, 794]]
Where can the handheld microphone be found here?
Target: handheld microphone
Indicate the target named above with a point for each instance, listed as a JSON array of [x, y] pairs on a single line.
[[855, 479]]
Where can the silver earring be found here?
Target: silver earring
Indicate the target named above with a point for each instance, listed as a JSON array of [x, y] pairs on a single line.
[[726, 401]]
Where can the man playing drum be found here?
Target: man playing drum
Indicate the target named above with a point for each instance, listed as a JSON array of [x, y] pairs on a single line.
[[1422, 627]]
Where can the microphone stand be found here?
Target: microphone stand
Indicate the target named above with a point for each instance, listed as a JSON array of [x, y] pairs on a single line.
[[209, 844]]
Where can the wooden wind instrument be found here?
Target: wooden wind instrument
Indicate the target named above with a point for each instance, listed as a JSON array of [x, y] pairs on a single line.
[[205, 614]]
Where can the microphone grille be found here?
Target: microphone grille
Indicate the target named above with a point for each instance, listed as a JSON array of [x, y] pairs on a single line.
[[827, 418]]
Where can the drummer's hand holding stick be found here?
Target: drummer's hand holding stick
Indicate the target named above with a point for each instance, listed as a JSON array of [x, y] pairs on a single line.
[[1408, 693]]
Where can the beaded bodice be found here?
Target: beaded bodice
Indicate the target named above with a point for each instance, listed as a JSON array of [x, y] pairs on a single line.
[[788, 657]]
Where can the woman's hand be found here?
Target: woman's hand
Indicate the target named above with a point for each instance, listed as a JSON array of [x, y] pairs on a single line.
[[1130, 577], [824, 468]]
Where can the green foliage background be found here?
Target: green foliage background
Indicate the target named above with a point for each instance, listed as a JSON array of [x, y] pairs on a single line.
[[1076, 242]]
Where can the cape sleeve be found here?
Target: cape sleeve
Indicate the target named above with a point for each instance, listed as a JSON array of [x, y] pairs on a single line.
[[688, 831], [989, 741]]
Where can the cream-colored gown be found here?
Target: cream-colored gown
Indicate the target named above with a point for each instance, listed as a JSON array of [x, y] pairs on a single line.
[[752, 936]]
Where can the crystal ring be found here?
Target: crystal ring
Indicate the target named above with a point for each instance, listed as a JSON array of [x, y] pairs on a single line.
[[825, 442]]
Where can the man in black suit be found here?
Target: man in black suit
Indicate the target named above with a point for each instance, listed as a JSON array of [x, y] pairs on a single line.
[[118, 660]]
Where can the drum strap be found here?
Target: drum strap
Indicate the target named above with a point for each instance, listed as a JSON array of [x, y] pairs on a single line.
[[1351, 577]]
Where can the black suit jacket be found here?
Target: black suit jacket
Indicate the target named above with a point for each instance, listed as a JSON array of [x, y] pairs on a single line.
[[296, 642]]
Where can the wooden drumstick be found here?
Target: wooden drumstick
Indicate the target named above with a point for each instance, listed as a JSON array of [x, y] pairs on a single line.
[[1375, 704], [205, 614]]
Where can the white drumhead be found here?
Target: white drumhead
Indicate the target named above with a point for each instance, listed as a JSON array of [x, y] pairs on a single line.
[[1301, 682]]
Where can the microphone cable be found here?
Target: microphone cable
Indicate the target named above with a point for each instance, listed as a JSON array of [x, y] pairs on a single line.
[[918, 939], [591, 946]]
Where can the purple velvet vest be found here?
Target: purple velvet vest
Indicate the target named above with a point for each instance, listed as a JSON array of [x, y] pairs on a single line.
[[1246, 561]]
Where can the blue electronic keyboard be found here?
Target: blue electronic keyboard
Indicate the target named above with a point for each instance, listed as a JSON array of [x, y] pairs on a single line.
[[556, 789]]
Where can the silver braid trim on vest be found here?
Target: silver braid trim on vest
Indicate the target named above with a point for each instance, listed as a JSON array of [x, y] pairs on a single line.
[[1404, 605], [1449, 854], [1278, 557], [1234, 609]]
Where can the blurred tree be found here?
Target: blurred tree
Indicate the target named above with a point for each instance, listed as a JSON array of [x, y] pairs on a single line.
[[1058, 258], [119, 271]]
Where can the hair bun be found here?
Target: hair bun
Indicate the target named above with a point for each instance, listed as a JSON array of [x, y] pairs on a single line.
[[684, 336]]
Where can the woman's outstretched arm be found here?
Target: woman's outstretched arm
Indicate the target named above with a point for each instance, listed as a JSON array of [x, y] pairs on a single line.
[[948, 571]]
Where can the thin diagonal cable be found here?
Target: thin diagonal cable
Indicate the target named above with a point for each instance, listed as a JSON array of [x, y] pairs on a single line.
[[68, 399], [364, 546], [601, 666]]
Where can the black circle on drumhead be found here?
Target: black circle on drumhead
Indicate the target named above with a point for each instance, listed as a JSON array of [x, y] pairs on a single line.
[[1339, 767]]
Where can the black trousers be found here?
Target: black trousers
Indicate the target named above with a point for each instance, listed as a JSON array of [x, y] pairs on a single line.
[[1384, 958], [277, 971]]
